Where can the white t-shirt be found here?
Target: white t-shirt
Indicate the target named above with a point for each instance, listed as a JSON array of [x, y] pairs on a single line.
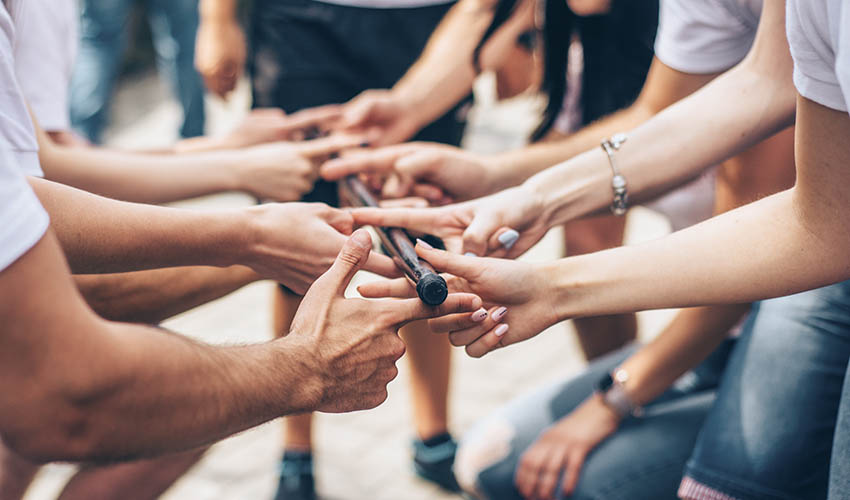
[[44, 59], [16, 131], [706, 36], [23, 221], [387, 4], [819, 36]]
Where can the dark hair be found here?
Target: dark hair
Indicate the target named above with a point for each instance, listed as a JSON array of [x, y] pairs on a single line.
[[618, 49]]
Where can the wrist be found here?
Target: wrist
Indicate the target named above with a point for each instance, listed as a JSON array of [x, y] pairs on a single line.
[[413, 104], [605, 412], [306, 389]]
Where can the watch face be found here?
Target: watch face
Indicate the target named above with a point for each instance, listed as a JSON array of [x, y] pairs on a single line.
[[605, 383]]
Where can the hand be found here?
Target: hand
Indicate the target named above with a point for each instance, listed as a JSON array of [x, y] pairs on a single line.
[[352, 344], [564, 447], [285, 171], [505, 224], [520, 291], [294, 243], [220, 55], [384, 116], [265, 125], [441, 174]]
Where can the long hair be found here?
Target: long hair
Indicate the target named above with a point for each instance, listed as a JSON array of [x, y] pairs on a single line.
[[617, 46]]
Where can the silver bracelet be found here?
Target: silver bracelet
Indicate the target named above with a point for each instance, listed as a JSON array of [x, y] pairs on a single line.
[[613, 392], [620, 205]]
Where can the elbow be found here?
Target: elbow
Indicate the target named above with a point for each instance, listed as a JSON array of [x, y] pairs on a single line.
[[48, 436]]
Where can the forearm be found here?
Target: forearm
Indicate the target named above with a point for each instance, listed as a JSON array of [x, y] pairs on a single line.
[[155, 295], [692, 335], [217, 10], [99, 235], [732, 113], [144, 178]]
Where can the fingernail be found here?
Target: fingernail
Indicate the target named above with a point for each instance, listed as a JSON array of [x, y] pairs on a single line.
[[471, 254], [362, 238], [424, 244], [479, 315], [499, 313], [500, 330], [508, 238]]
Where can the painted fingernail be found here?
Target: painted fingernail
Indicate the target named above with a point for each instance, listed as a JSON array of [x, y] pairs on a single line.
[[508, 238], [424, 244], [471, 254], [499, 313], [500, 330], [479, 315]]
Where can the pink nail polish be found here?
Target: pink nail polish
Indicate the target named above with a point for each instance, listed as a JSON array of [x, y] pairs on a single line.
[[479, 315], [500, 330], [499, 313], [424, 244]]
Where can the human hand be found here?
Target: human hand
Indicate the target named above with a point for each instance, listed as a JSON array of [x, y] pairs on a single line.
[[520, 291], [437, 172], [384, 116], [220, 54], [263, 125], [294, 243], [352, 344], [505, 224], [285, 171], [563, 447]]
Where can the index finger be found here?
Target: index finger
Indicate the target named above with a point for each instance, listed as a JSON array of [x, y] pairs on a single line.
[[324, 146], [425, 220], [381, 264], [313, 117], [398, 288], [362, 162], [407, 310]]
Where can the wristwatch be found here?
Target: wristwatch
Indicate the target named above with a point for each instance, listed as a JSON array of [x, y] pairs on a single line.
[[611, 388]]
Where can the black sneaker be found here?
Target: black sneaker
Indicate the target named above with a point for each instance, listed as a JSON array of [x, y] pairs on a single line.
[[433, 461], [296, 477]]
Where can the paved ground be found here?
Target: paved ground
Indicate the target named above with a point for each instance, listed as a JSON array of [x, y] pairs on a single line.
[[361, 455]]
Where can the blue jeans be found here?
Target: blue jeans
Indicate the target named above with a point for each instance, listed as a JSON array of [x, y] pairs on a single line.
[[767, 435], [643, 460], [839, 475], [103, 38]]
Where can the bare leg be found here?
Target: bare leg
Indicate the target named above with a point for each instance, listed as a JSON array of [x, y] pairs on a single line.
[[140, 480], [298, 428], [16, 474], [429, 356], [602, 334]]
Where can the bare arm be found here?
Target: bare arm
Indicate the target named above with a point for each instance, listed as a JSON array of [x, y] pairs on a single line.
[[290, 242], [155, 295]]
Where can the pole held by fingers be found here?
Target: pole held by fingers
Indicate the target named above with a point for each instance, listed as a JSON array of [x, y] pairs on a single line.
[[430, 286]]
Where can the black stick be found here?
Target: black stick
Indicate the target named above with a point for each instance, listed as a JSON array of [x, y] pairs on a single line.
[[430, 286]]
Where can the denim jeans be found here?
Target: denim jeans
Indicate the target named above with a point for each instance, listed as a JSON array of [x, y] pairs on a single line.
[[839, 474], [767, 435], [103, 38], [643, 460]]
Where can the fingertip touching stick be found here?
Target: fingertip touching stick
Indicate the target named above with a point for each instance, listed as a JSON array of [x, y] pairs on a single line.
[[430, 286]]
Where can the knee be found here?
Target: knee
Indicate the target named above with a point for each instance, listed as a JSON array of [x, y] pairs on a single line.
[[488, 451]]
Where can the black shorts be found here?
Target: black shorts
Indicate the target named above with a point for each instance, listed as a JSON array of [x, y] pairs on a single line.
[[307, 53]]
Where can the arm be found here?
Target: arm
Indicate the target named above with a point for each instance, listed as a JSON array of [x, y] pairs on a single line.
[[76, 387], [280, 171], [441, 77], [220, 48], [155, 295], [291, 242]]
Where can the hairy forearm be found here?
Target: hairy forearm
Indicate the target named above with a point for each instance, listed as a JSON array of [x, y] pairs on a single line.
[[155, 295], [144, 178], [99, 235]]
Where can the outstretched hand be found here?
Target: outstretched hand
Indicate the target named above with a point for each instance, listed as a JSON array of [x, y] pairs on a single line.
[[352, 344], [517, 294]]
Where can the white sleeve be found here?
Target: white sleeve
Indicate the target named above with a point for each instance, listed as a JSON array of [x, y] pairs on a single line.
[[704, 36], [23, 221], [813, 35]]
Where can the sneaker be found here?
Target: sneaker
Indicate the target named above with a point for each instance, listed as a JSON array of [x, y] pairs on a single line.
[[433, 462], [296, 477]]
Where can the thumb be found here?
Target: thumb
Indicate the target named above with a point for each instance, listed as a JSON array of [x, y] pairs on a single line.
[[477, 235], [350, 259]]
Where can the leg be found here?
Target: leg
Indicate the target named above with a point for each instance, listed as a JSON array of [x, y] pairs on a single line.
[[103, 27], [16, 474], [642, 460], [144, 479], [771, 430], [429, 357], [839, 474], [601, 334], [174, 24]]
